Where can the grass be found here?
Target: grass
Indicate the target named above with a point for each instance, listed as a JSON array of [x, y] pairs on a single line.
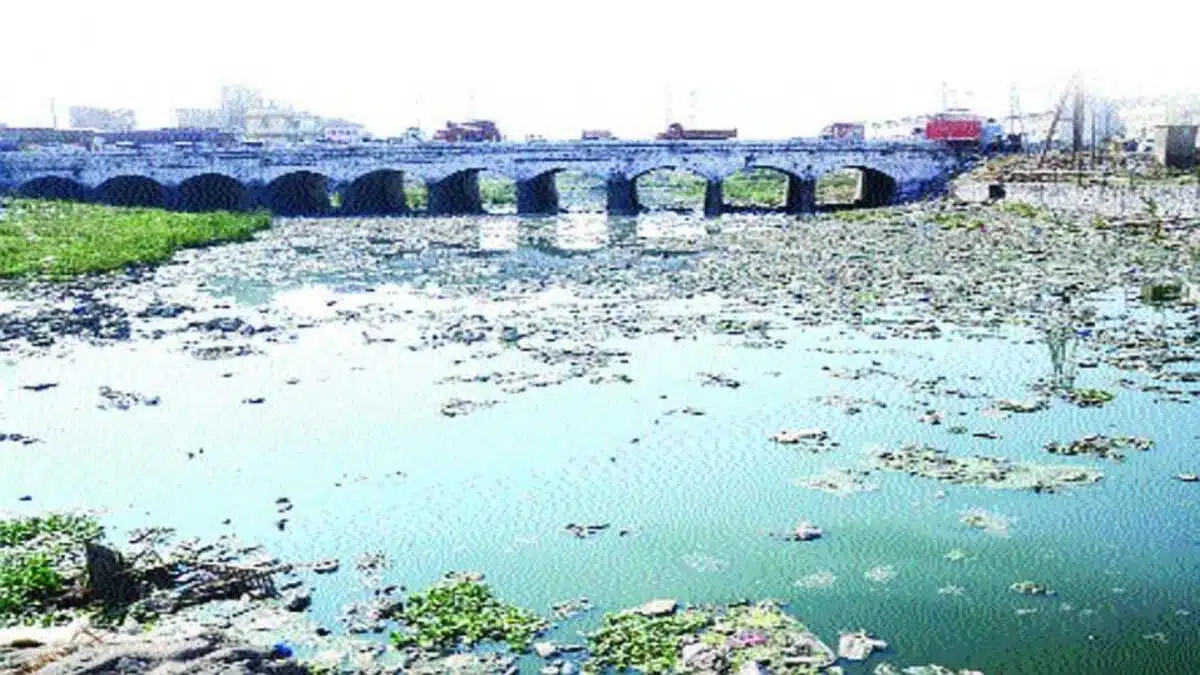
[[33, 560], [61, 240]]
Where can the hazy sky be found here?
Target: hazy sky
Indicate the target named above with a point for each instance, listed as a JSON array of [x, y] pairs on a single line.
[[772, 69]]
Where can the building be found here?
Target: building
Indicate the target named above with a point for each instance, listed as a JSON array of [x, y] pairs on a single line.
[[245, 112], [199, 118], [102, 119]]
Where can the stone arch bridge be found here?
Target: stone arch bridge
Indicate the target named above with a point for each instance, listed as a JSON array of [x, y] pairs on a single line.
[[370, 178]]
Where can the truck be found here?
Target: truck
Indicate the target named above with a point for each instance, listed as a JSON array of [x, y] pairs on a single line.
[[676, 132], [472, 131], [848, 131], [598, 135], [955, 126]]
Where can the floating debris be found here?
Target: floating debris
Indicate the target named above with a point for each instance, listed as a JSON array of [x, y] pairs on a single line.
[[989, 472], [111, 399], [1106, 447]]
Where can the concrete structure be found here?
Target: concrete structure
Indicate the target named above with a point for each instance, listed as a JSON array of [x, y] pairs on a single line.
[[1175, 146], [370, 178]]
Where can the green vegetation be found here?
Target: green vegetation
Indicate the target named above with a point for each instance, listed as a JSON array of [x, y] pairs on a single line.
[[65, 239], [1161, 293], [1021, 209], [416, 195], [649, 644], [761, 188], [36, 558], [1088, 398], [463, 612], [497, 191], [838, 187], [956, 220]]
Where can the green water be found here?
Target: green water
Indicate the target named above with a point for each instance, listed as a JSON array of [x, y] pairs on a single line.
[[492, 491]]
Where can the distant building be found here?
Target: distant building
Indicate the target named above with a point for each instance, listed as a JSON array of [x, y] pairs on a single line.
[[102, 119], [199, 118], [246, 113]]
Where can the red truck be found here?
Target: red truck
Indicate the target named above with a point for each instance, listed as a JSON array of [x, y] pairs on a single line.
[[954, 126], [474, 131], [676, 132]]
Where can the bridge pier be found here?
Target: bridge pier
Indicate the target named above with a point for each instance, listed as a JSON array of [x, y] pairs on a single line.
[[456, 195], [714, 199], [537, 195], [622, 196], [801, 196]]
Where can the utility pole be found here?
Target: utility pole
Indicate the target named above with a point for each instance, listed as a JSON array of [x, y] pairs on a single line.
[[53, 115], [692, 109]]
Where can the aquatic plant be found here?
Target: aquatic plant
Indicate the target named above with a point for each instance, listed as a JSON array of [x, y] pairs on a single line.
[[33, 558], [1163, 292], [21, 530], [27, 582], [462, 612], [650, 644], [66, 239], [1087, 398]]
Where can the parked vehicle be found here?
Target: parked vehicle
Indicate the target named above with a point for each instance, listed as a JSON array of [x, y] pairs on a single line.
[[473, 131], [598, 135], [676, 132], [848, 131]]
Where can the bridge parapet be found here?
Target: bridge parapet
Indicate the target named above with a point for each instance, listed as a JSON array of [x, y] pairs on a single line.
[[913, 166]]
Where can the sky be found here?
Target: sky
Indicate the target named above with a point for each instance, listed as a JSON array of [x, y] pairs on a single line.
[[771, 69]]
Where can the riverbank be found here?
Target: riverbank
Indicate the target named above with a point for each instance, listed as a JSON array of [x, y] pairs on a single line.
[[393, 380], [66, 239]]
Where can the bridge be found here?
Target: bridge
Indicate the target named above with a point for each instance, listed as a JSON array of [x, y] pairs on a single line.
[[370, 179]]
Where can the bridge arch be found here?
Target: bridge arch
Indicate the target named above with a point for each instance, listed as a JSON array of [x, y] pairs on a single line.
[[298, 193], [380, 192], [676, 187], [137, 191], [759, 187], [856, 186], [54, 187], [213, 192]]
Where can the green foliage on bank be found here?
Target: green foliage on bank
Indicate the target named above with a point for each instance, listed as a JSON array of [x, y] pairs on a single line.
[[38, 557], [59, 239], [460, 612]]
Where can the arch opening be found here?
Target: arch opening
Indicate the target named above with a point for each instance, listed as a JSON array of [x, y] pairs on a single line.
[[378, 193], [132, 191], [759, 188], [472, 192], [580, 191], [302, 193], [497, 192], [855, 187], [670, 189], [213, 192], [53, 187]]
